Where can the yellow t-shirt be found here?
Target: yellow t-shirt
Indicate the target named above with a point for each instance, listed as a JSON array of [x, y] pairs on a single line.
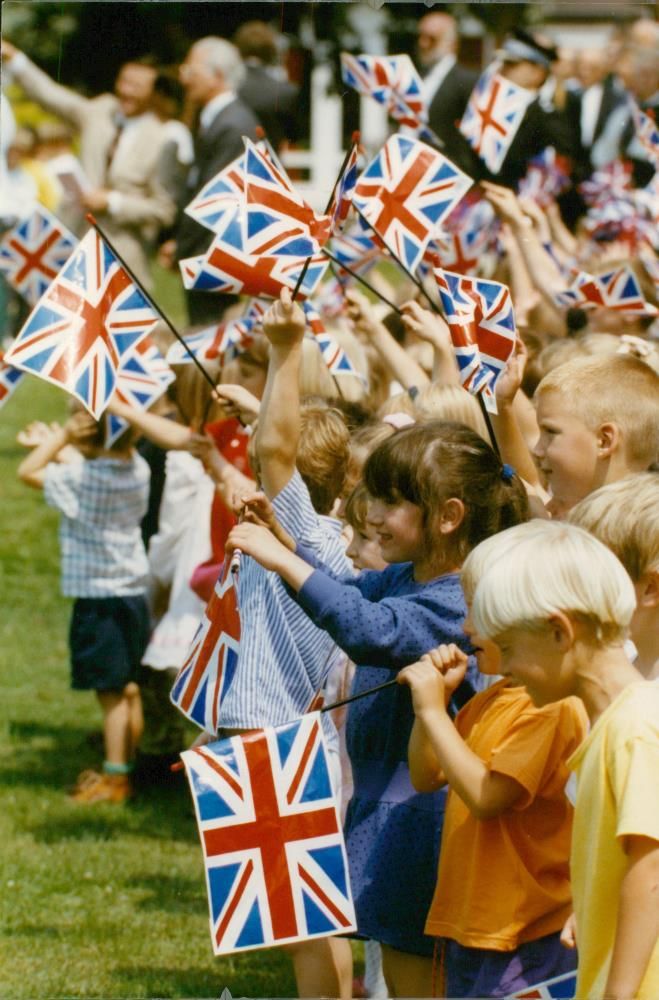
[[617, 769], [505, 880]]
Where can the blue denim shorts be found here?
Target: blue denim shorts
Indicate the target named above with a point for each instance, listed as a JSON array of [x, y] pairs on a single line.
[[107, 639]]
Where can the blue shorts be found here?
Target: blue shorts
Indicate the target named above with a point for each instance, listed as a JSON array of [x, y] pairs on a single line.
[[107, 639], [479, 972]]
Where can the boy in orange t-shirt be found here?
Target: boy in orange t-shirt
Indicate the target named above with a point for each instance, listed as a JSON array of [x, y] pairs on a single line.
[[503, 888]]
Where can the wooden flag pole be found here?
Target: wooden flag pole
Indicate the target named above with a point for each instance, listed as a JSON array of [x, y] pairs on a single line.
[[346, 159], [156, 308]]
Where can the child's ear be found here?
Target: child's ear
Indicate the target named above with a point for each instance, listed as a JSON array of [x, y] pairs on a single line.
[[451, 515], [608, 439], [563, 632], [647, 589]]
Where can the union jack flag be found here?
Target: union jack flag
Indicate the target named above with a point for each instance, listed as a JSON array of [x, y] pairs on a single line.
[[82, 328], [617, 289], [481, 321], [356, 250], [646, 132], [34, 251], [223, 194], [278, 220], [390, 80], [405, 193], [142, 378], [559, 988], [650, 262], [611, 182], [203, 344], [227, 267], [9, 379], [275, 859], [336, 359], [547, 175], [341, 200], [493, 115], [211, 662]]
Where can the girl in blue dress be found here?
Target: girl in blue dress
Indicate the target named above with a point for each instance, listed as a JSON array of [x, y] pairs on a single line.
[[436, 490]]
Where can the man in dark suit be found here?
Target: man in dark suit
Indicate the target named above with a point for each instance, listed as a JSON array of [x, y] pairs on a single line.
[[266, 88], [446, 84], [211, 75], [589, 110]]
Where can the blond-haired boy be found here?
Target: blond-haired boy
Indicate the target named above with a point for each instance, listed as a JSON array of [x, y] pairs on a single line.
[[561, 632], [625, 517], [599, 421]]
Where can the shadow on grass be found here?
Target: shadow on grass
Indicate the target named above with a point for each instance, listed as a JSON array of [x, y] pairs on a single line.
[[170, 893], [261, 974]]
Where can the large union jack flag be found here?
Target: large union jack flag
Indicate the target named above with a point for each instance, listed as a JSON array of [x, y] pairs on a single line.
[[81, 329], [617, 289], [276, 866], [390, 80], [277, 219], [142, 378], [34, 251], [211, 662], [481, 321], [405, 193], [493, 115], [9, 379], [559, 988], [227, 267]]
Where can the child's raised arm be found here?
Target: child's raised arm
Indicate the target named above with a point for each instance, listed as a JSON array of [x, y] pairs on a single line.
[[486, 793], [78, 428], [638, 919], [163, 432]]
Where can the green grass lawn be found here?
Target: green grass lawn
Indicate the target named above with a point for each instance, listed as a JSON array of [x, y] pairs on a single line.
[[95, 901]]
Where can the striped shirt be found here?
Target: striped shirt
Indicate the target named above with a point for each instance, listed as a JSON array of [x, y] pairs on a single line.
[[284, 658], [102, 502]]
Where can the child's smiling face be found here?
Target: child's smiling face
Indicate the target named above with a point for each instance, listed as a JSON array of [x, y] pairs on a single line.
[[566, 451], [364, 548], [534, 659], [399, 530], [488, 656]]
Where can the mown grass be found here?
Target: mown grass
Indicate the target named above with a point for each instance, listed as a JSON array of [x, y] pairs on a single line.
[[95, 901]]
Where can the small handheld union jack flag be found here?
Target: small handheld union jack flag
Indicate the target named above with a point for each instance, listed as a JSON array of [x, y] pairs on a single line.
[[559, 988], [34, 251], [647, 132], [357, 250], [81, 329], [405, 193], [336, 359], [493, 115], [617, 289], [275, 858], [390, 80], [211, 662], [480, 318], [341, 200], [9, 379], [223, 194], [142, 378], [547, 175]]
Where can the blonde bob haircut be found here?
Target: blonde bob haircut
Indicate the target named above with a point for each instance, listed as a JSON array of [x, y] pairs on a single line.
[[532, 571], [625, 517]]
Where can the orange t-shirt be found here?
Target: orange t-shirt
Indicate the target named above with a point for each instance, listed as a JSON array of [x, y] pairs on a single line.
[[505, 880]]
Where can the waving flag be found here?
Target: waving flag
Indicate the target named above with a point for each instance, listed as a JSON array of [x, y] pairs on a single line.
[[34, 251], [480, 317], [613, 181], [142, 378], [558, 988], [405, 193], [341, 200], [227, 267], [9, 379], [336, 359], [358, 251], [390, 80], [275, 859], [278, 219], [617, 289], [211, 663], [221, 195], [493, 115], [547, 175], [83, 327]]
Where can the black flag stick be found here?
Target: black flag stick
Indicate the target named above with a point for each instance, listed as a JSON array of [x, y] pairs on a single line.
[[362, 694], [156, 308], [354, 141]]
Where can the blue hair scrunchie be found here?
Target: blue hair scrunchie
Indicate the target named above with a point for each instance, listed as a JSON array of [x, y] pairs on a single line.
[[507, 472]]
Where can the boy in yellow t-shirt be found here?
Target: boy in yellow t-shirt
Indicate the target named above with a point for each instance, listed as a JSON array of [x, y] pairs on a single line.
[[561, 632]]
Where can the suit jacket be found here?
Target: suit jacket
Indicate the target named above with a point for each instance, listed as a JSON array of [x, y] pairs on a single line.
[[144, 204], [612, 98], [274, 102], [448, 104]]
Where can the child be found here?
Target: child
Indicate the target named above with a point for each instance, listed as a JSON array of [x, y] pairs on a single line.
[[435, 491], [599, 421], [625, 517], [102, 501], [561, 632], [503, 887], [363, 549]]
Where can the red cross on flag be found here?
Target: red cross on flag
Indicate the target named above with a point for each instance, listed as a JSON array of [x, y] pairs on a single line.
[[276, 866], [493, 115], [32, 253], [83, 326]]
